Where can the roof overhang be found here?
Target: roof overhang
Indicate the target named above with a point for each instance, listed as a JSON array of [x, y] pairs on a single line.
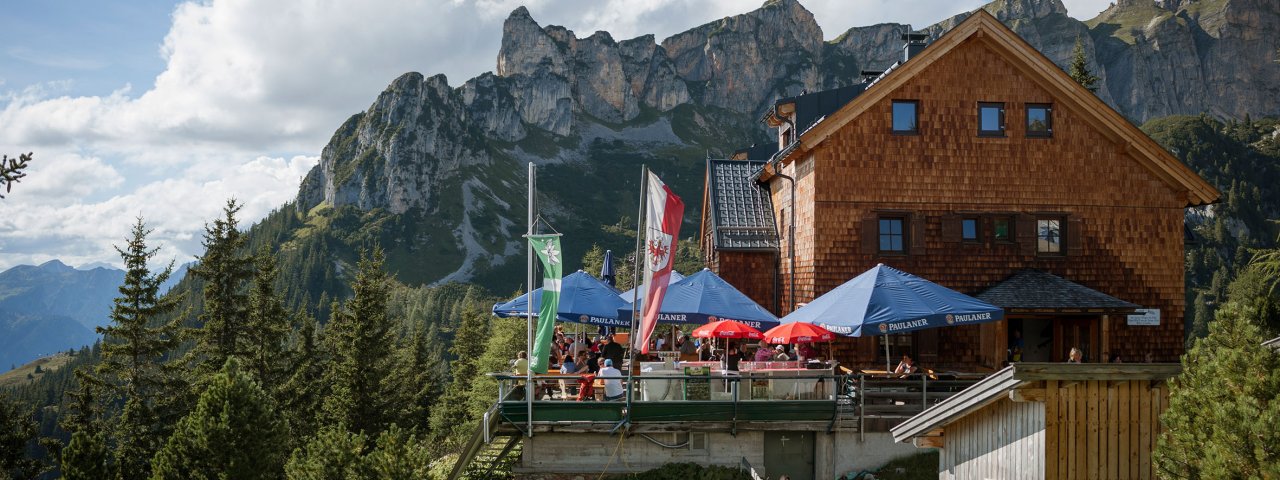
[[1000, 384], [982, 27]]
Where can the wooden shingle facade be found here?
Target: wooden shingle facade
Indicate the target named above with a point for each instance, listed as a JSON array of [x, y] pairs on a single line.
[[1057, 183]]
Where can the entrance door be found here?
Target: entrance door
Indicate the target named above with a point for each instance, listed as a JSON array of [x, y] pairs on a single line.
[[1033, 338], [1082, 333], [788, 453]]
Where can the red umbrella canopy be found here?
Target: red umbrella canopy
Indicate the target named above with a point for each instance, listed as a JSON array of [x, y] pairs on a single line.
[[798, 332], [727, 329]]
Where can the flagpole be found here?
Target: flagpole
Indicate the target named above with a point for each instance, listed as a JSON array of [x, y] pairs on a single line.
[[635, 282], [528, 371]]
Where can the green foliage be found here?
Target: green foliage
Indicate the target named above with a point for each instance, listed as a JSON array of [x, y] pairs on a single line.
[[303, 392], [17, 435], [451, 415], [1079, 69], [1225, 405], [234, 432], [11, 170], [224, 269], [686, 471], [361, 339], [86, 458], [268, 325], [335, 453]]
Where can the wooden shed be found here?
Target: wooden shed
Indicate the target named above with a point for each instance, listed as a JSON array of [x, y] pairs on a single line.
[[1048, 421]]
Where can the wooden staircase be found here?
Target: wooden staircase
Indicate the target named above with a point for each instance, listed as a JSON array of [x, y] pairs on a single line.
[[487, 455]]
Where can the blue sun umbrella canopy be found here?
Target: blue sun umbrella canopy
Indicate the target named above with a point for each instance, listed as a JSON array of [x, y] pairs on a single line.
[[886, 300], [583, 299], [629, 296], [704, 297]]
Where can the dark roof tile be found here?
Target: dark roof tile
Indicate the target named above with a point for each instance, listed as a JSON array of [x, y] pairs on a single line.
[[742, 211], [1037, 290]]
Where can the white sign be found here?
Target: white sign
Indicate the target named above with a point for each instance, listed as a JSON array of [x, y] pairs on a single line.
[[1145, 316]]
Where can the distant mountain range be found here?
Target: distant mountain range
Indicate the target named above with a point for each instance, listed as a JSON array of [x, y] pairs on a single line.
[[53, 307]]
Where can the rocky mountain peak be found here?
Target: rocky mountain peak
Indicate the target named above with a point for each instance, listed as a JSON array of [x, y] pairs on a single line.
[[1007, 10]]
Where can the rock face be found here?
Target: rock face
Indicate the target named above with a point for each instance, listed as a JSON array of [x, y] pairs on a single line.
[[554, 98]]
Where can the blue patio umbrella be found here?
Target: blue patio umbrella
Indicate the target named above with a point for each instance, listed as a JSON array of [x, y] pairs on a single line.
[[606, 270], [583, 299], [886, 300], [704, 297]]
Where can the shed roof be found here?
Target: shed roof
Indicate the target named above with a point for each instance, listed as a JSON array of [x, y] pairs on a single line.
[[741, 209], [996, 386], [1034, 291], [810, 107]]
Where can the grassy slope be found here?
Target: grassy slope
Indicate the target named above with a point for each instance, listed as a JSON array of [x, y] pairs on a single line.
[[18, 376]]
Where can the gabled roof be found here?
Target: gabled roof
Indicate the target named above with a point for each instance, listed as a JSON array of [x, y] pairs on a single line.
[[997, 386], [981, 26], [741, 210], [1032, 291]]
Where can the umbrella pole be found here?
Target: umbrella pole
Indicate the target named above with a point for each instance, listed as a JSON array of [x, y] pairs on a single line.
[[886, 353]]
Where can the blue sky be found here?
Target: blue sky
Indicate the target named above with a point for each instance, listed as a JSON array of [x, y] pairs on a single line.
[[165, 109]]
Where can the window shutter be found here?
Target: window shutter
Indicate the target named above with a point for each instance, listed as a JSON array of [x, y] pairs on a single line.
[[1075, 246], [870, 234], [917, 234], [951, 229], [1026, 232]]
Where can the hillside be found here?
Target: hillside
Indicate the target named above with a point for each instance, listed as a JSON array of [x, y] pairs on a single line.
[[52, 307]]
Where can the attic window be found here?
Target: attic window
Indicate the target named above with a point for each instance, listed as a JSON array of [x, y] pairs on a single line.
[[906, 117], [990, 119], [1039, 120]]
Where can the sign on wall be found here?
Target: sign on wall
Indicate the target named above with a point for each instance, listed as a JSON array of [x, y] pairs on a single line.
[[1145, 317]]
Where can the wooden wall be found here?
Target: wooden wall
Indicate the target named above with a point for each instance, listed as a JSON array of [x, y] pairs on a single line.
[[1102, 429], [752, 273], [1125, 224], [1002, 440]]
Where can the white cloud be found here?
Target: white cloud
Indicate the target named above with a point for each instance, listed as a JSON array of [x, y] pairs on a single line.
[[252, 90]]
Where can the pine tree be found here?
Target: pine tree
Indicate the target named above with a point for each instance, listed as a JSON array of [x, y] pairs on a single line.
[[86, 458], [400, 455], [303, 392], [1224, 407], [268, 325], [131, 369], [361, 339], [420, 375], [451, 413], [1080, 68], [234, 432], [331, 454], [17, 432], [225, 269]]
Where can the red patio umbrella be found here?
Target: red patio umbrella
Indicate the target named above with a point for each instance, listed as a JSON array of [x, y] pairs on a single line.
[[800, 332], [727, 329]]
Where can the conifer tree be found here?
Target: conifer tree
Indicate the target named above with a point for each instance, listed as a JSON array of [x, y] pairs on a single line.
[[131, 369], [419, 372], [17, 431], [399, 454], [268, 325], [1080, 68], [361, 339], [451, 412], [86, 458], [304, 390], [225, 269], [332, 453], [234, 432], [1224, 407]]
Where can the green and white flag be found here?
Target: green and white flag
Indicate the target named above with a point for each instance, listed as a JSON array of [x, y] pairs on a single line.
[[548, 250]]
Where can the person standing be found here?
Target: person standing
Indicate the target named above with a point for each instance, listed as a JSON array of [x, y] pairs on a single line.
[[1076, 356], [612, 381], [612, 351], [521, 364]]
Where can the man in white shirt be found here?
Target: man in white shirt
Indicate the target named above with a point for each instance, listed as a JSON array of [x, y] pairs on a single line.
[[612, 381]]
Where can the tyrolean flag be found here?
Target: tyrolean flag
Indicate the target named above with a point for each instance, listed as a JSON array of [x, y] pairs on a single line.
[[663, 213]]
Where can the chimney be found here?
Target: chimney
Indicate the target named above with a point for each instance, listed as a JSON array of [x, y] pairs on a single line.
[[915, 44]]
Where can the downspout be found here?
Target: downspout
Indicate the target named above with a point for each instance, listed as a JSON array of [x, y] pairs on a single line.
[[791, 224]]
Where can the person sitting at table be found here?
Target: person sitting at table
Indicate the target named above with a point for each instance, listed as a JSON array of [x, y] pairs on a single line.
[[612, 381], [704, 352], [807, 352], [782, 354], [521, 364], [906, 367], [567, 366], [688, 351], [763, 354], [593, 362], [732, 358]]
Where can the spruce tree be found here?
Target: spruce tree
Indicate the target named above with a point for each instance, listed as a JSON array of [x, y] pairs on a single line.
[[1224, 407], [225, 269], [451, 413], [331, 454], [86, 458], [361, 339], [304, 391], [17, 432], [234, 432], [131, 371], [420, 374], [1080, 68], [268, 326], [399, 454]]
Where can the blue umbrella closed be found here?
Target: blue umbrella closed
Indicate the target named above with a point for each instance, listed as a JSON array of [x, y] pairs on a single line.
[[886, 300], [583, 299], [606, 270], [705, 297]]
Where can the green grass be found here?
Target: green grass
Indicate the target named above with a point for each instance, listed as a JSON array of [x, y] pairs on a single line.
[[18, 376]]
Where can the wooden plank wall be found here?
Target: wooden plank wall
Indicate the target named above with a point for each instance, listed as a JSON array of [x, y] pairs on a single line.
[[1102, 429], [1002, 440], [752, 273], [1129, 221]]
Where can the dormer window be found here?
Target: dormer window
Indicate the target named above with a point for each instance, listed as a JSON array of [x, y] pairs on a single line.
[[906, 117]]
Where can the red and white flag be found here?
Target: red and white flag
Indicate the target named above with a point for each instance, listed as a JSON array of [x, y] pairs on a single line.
[[664, 211]]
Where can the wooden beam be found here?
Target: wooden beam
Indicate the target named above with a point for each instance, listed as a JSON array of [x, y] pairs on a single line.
[[1028, 395], [1029, 372], [928, 442]]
